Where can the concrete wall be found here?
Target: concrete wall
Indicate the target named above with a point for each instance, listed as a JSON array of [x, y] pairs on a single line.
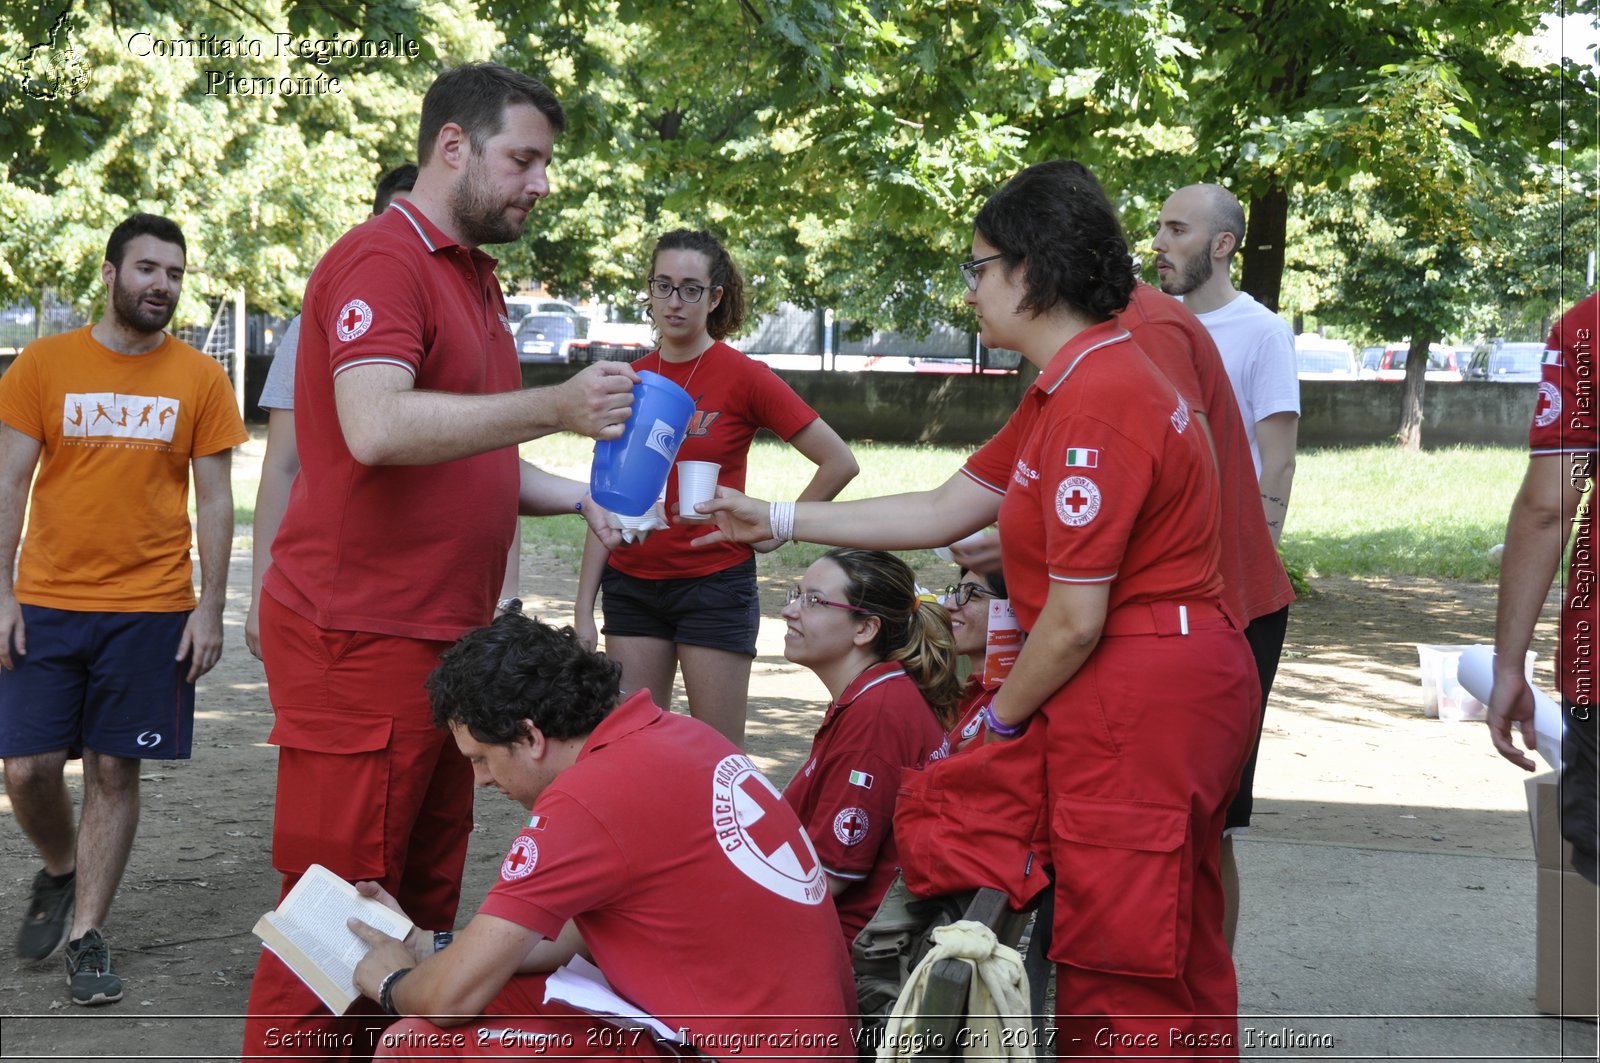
[[964, 410]]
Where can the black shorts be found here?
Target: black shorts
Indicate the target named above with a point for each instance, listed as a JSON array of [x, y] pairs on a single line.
[[720, 611], [1265, 635], [1580, 788]]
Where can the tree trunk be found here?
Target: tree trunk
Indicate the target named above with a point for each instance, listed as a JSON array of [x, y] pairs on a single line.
[[1268, 228], [1410, 434]]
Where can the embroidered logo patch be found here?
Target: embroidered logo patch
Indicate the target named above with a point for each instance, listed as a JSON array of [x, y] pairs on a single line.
[[1083, 458], [1077, 501], [1180, 416], [1549, 407], [972, 726], [354, 319], [850, 826], [148, 739], [521, 860], [758, 832]]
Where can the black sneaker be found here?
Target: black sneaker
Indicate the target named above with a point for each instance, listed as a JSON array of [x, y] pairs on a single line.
[[49, 917], [89, 971]]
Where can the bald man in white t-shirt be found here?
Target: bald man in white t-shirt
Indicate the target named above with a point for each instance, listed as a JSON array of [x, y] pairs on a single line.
[[1199, 230]]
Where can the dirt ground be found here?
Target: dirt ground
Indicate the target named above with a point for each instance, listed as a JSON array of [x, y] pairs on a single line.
[[1347, 759]]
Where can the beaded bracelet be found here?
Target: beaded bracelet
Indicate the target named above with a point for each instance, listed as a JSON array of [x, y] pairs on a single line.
[[1003, 730]]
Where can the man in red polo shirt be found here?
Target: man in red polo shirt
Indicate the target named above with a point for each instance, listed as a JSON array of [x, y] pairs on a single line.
[[395, 538], [655, 847], [1548, 511]]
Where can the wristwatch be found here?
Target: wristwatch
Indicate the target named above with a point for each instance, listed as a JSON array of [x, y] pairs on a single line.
[[508, 605]]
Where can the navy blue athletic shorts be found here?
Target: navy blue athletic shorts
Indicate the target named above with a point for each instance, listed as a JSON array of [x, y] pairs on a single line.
[[102, 681]]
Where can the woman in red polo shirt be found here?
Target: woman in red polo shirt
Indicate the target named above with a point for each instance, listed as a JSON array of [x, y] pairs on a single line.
[[664, 603], [888, 661], [1141, 679], [968, 604]]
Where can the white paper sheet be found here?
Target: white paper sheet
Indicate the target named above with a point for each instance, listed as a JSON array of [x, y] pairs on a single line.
[[580, 984]]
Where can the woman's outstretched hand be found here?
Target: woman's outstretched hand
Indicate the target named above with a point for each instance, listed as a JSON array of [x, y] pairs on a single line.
[[739, 518]]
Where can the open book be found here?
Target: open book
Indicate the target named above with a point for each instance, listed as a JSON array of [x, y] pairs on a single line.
[[308, 933]]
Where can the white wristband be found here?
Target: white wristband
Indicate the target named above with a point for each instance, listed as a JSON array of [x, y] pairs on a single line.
[[781, 516]]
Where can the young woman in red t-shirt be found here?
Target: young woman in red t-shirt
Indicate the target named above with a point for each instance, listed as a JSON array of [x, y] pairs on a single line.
[[664, 602]]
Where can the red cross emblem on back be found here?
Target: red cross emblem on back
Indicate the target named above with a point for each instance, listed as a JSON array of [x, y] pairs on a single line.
[[769, 833]]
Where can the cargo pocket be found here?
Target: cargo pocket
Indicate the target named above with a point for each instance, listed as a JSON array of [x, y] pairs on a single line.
[[1123, 886], [333, 784]]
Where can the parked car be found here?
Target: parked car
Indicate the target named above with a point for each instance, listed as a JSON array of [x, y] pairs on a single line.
[[519, 307], [1389, 363], [1507, 363], [545, 336], [1318, 358]]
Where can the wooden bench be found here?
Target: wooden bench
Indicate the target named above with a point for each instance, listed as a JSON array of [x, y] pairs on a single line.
[[945, 1004]]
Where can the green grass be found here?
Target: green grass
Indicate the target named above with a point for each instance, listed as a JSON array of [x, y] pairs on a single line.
[[1367, 511], [1380, 511]]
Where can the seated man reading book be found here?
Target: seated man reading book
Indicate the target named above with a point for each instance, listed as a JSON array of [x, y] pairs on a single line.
[[655, 848]]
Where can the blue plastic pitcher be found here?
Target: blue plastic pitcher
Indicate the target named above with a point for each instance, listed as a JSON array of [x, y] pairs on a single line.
[[629, 472]]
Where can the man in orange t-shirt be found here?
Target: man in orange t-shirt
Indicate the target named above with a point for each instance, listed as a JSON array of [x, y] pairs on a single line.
[[101, 636]]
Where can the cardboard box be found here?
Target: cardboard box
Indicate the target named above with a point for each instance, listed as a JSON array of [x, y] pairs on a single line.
[[1567, 980]]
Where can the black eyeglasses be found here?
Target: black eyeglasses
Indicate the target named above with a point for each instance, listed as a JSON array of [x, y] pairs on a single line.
[[808, 599], [690, 293], [970, 271], [960, 594]]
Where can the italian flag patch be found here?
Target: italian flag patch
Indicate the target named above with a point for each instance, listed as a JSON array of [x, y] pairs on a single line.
[[1083, 458], [862, 779], [536, 823]]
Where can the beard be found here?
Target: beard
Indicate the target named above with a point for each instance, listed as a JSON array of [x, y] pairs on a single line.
[[130, 310], [1193, 274], [478, 215]]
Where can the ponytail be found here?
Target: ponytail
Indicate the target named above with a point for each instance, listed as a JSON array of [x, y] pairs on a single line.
[[929, 658]]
